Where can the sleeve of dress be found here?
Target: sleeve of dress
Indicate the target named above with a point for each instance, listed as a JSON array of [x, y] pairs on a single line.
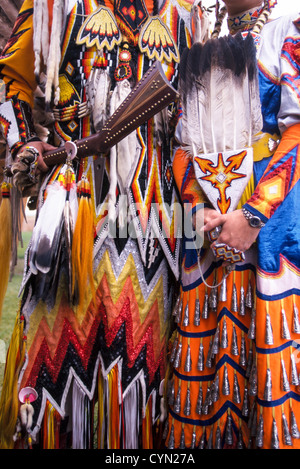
[[18, 82], [283, 170], [191, 194]]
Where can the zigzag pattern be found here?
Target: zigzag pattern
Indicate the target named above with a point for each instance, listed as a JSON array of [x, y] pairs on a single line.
[[122, 326]]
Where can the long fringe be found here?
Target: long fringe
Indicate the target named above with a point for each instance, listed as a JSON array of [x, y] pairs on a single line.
[[9, 405], [51, 427], [82, 247], [48, 48], [5, 241]]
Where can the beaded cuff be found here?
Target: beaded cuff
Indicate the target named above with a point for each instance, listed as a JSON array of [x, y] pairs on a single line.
[[16, 124]]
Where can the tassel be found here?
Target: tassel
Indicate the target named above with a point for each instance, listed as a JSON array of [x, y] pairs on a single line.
[[188, 361], [210, 439], [171, 442], [234, 345], [215, 394], [209, 359], [268, 387], [234, 299], [224, 337], [285, 385], [286, 432], [199, 401], [218, 440], [202, 442], [275, 439], [197, 313], [296, 324], [243, 359], [179, 312], [260, 432], [236, 390], [240, 442], [5, 241], [215, 345], [294, 427], [69, 217], [242, 310], [213, 299], [9, 404], [228, 432], [245, 408], [253, 380], [177, 404], [223, 291], [82, 248], [269, 333], [207, 401], [249, 296], [294, 375], [285, 333], [186, 318], [225, 384], [182, 439], [177, 360], [205, 310], [200, 363], [193, 443], [252, 327], [173, 351], [178, 301], [187, 405]]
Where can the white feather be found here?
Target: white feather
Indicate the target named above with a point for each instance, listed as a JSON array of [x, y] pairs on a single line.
[[47, 229], [222, 111], [101, 98], [123, 155]]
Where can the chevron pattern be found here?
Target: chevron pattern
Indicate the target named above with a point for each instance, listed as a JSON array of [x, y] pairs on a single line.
[[211, 360], [126, 324]]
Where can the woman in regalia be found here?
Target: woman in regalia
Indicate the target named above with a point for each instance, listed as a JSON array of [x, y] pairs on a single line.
[[88, 352], [234, 355]]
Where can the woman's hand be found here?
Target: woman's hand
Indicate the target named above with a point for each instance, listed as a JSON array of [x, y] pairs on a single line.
[[236, 231], [204, 216]]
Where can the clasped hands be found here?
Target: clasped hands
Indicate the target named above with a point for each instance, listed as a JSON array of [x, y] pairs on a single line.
[[236, 231]]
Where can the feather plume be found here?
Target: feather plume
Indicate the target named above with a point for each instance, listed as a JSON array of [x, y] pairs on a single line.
[[98, 88], [5, 241], [200, 23], [161, 125], [82, 245], [51, 222], [123, 155], [221, 106]]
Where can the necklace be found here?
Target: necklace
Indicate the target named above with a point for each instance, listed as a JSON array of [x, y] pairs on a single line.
[[244, 21]]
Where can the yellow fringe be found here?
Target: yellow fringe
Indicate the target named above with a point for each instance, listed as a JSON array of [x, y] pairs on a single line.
[[147, 436], [9, 404], [114, 411], [100, 412], [5, 241], [82, 246]]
